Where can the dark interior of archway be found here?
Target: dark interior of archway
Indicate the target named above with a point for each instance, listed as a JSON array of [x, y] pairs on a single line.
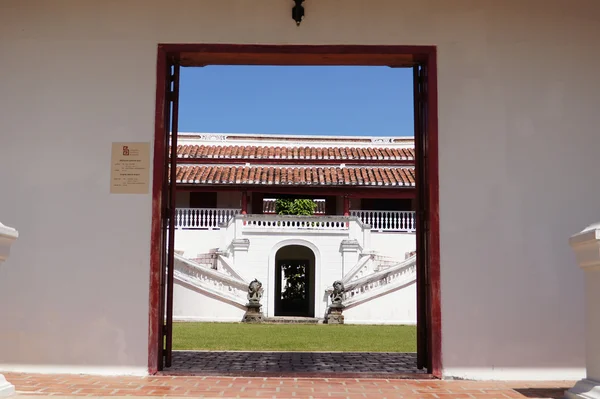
[[294, 281]]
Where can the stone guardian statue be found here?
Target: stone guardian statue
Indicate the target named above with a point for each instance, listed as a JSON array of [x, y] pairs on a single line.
[[334, 313], [255, 293]]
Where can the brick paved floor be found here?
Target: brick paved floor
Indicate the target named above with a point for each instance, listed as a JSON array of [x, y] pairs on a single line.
[[297, 364], [248, 387]]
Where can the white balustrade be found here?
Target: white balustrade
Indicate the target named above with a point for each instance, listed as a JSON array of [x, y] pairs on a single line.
[[296, 222], [382, 262], [203, 218], [372, 262], [210, 280], [402, 221], [366, 287]]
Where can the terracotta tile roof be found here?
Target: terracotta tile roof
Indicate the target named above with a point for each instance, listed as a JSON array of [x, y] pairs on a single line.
[[390, 176], [295, 152]]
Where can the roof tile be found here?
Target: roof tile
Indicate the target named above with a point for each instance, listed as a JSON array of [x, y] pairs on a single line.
[[296, 152], [296, 175]]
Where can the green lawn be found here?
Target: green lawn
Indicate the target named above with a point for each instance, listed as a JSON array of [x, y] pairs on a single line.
[[294, 337]]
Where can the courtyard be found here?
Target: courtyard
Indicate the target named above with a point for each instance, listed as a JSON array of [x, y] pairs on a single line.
[[294, 337], [294, 350], [503, 99]]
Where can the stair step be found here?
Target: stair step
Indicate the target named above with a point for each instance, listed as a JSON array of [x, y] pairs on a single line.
[[293, 320]]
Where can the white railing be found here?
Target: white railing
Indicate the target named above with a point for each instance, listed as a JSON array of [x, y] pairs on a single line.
[[379, 283], [296, 222], [225, 287], [403, 221], [203, 218], [370, 263]]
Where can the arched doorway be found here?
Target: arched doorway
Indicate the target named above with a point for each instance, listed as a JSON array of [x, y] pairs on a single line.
[[295, 281]]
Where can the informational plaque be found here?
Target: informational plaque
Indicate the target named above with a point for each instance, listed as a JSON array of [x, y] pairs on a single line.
[[130, 168]]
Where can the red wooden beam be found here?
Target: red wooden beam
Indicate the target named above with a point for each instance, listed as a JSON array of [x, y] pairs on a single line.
[[435, 298], [155, 318], [244, 202], [346, 206], [241, 54]]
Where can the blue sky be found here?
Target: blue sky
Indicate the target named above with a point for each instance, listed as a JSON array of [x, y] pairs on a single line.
[[373, 101]]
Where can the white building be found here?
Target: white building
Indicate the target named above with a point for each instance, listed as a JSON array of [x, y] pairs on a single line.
[[362, 232], [510, 143]]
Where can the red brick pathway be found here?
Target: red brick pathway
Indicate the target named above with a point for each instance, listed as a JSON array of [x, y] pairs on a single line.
[[247, 387]]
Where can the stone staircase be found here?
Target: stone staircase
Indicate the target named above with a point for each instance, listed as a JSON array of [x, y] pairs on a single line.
[[373, 276]]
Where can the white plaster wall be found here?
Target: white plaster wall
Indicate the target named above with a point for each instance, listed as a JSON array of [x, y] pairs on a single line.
[[518, 121], [190, 304], [394, 308], [196, 242], [259, 262], [397, 307], [395, 245]]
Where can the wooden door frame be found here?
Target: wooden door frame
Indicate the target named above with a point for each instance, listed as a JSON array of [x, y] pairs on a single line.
[[235, 54]]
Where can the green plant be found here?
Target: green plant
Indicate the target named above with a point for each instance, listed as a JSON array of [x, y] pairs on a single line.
[[295, 281], [300, 207]]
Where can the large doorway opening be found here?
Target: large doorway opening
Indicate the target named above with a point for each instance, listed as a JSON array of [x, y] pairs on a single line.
[[422, 62], [295, 281]]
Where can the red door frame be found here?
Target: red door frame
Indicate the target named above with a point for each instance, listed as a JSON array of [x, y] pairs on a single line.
[[233, 54]]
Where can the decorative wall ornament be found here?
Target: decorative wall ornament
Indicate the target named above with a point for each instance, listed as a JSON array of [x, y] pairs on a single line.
[[213, 137], [382, 140]]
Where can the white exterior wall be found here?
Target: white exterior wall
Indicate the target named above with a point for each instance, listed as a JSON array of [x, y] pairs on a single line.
[[189, 304], [397, 307], [259, 263], [395, 245], [194, 242], [518, 136]]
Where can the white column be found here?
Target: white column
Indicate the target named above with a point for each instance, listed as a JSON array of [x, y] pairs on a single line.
[[7, 236], [350, 250], [239, 258], [587, 251]]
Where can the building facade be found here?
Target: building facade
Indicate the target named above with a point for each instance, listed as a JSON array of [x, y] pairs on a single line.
[[516, 124], [362, 231]]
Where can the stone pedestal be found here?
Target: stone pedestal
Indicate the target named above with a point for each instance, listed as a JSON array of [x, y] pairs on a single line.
[[587, 251], [7, 236], [334, 315], [253, 314]]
